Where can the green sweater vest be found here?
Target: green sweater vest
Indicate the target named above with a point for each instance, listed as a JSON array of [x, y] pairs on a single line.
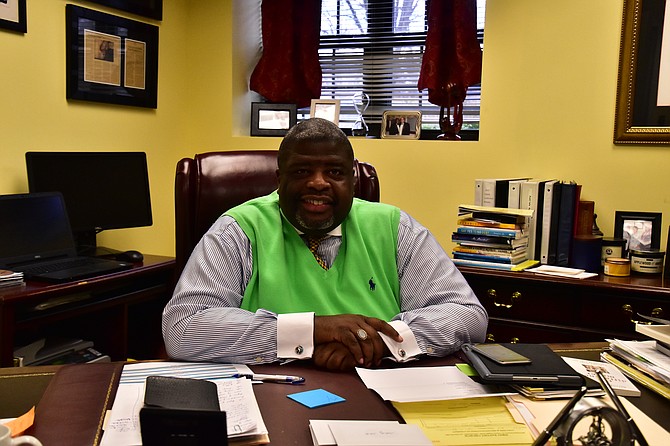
[[286, 277]]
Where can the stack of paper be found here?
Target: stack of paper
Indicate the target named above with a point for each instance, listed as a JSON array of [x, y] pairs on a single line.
[[552, 393], [10, 278], [471, 421], [660, 333], [562, 271], [236, 397], [642, 362]]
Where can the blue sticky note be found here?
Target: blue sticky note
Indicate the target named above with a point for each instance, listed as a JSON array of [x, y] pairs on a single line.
[[316, 398]]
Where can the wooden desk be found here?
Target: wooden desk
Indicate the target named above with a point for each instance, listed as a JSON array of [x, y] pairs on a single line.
[[75, 402], [119, 312], [527, 307]]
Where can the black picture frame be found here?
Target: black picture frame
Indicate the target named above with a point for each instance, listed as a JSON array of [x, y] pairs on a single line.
[[638, 118], [272, 119], [152, 9], [127, 76], [18, 8], [650, 225]]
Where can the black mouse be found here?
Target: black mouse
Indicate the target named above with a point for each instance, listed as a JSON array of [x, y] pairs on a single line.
[[130, 256]]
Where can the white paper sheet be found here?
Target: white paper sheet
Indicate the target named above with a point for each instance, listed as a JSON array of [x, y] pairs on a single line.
[[424, 384]]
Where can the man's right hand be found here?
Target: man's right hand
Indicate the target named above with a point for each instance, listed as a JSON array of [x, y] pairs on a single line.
[[358, 333]]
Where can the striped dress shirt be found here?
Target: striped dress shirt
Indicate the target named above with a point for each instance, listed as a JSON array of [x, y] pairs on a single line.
[[203, 321]]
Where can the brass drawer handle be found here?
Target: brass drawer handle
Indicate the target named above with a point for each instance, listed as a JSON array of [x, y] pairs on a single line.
[[493, 294], [628, 309], [491, 338]]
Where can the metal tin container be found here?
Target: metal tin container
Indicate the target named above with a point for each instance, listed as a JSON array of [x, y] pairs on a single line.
[[647, 262], [616, 266]]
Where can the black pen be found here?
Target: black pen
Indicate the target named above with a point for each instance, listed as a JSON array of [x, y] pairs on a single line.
[[637, 434], [546, 434]]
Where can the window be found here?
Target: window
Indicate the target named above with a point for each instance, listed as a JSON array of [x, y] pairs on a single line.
[[376, 47]]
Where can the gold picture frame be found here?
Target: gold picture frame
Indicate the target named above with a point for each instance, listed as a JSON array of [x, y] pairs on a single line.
[[399, 124], [641, 116]]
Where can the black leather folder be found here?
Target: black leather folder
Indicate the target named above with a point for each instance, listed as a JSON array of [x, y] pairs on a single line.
[[546, 369]]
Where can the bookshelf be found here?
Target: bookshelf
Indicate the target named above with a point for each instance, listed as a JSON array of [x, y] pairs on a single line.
[[527, 307]]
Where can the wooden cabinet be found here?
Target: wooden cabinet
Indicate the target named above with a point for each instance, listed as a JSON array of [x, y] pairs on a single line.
[[119, 312], [527, 307]]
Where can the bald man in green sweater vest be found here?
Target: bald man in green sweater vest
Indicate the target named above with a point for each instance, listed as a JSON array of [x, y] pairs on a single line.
[[310, 272]]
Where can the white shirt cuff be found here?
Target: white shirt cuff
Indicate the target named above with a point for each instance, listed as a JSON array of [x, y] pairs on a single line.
[[406, 350], [295, 335]]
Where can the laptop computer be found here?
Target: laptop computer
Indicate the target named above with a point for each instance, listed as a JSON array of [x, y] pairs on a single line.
[[36, 239], [546, 368]]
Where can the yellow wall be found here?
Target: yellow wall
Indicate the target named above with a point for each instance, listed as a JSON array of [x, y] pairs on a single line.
[[548, 98]]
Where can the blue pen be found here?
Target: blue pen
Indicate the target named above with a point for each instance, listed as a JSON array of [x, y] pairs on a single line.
[[284, 379]]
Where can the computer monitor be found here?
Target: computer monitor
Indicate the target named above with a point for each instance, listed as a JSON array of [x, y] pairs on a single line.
[[102, 190]]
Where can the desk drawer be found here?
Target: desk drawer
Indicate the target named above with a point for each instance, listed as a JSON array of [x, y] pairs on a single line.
[[516, 300], [504, 330]]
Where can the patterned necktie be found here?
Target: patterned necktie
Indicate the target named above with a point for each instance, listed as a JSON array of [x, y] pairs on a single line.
[[313, 243]]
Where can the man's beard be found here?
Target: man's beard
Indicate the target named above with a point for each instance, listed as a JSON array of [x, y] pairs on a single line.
[[325, 225]]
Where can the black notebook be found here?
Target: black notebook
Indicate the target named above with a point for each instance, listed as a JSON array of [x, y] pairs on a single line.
[[546, 368], [36, 239]]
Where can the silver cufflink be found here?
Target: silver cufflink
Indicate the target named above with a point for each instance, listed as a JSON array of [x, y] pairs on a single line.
[[299, 350], [402, 353]]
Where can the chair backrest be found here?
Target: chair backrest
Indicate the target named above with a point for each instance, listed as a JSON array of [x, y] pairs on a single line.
[[210, 183]]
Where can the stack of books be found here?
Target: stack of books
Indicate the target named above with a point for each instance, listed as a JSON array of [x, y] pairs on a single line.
[[492, 237], [559, 213], [10, 278], [646, 362]]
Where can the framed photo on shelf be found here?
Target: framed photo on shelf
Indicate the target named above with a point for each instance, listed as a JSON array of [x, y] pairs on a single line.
[[327, 109], [111, 59], [641, 230], [272, 119], [152, 9], [401, 124], [13, 15]]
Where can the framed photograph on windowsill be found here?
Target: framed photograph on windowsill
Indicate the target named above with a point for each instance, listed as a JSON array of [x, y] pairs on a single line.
[[13, 15], [111, 59], [641, 230], [327, 109], [401, 124], [272, 119]]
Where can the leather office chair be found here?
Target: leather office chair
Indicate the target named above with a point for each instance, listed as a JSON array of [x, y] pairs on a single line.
[[210, 183]]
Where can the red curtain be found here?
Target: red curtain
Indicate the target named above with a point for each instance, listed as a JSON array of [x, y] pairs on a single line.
[[452, 60], [289, 70]]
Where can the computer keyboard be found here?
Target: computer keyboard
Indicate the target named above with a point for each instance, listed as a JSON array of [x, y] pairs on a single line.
[[59, 265]]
